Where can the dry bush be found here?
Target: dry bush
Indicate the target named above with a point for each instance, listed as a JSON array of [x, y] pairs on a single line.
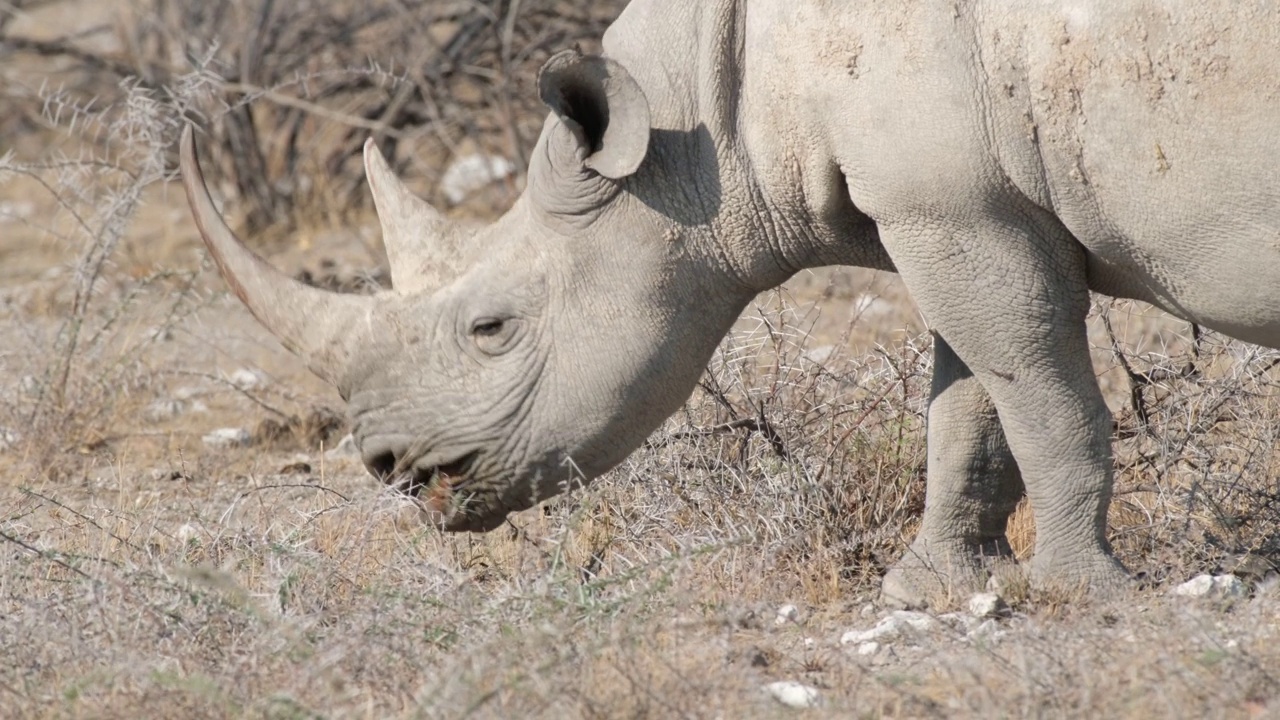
[[77, 362], [815, 455], [293, 89], [1198, 486]]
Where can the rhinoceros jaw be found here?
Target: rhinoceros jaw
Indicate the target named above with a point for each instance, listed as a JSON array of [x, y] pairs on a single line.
[[433, 479]]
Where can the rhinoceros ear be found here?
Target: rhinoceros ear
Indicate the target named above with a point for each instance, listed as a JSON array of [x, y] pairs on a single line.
[[602, 105]]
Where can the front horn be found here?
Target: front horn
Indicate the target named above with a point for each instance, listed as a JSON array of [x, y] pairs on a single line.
[[319, 326]]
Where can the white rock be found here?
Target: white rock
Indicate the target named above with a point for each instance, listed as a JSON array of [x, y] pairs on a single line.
[[187, 532], [1231, 586], [346, 448], [787, 614], [29, 385], [1269, 585], [15, 210], [899, 623], [469, 173], [988, 630], [165, 409], [160, 333], [793, 694], [959, 620], [820, 354], [8, 439], [868, 610], [246, 379], [869, 307], [228, 437], [810, 643], [987, 605], [1197, 586], [187, 392], [869, 648], [1220, 586]]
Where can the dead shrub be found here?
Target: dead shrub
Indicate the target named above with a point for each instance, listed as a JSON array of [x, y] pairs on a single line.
[[291, 90]]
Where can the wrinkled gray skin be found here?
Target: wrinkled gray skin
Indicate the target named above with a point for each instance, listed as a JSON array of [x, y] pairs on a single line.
[[1005, 158]]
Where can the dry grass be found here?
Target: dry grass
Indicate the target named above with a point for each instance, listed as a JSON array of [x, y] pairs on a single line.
[[144, 574], [242, 583]]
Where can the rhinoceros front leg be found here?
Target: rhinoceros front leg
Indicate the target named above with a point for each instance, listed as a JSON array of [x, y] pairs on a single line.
[[1008, 290], [973, 487]]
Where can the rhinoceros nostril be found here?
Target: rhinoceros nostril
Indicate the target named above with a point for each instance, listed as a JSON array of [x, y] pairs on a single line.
[[381, 465]]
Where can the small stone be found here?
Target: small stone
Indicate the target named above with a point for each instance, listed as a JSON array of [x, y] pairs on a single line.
[[987, 605], [793, 694], [868, 648], [186, 392], [16, 210], [868, 610], [443, 32], [187, 532], [8, 439], [165, 409], [959, 620], [228, 437], [469, 173], [1205, 586], [899, 623], [820, 354], [870, 307], [787, 614], [160, 333], [987, 631], [29, 385], [1198, 586], [1008, 581], [1270, 585], [810, 643], [246, 379]]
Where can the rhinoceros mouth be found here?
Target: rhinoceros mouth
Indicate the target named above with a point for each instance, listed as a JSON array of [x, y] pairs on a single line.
[[441, 492], [428, 481]]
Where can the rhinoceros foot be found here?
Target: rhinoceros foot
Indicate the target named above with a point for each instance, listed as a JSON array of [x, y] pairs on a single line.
[[939, 578], [939, 575], [1094, 577]]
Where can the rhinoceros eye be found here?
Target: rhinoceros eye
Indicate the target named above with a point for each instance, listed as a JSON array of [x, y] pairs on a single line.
[[494, 336], [487, 327]]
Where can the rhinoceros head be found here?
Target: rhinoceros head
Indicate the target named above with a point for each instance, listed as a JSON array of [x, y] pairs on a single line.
[[510, 362]]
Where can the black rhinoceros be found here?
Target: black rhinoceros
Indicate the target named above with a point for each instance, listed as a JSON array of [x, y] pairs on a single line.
[[1004, 158]]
